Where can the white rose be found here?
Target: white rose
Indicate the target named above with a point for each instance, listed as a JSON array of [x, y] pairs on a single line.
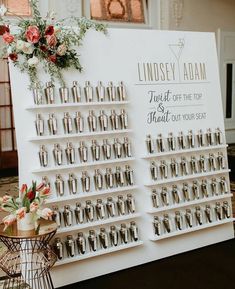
[[33, 61], [28, 48], [20, 44], [3, 10], [61, 50]]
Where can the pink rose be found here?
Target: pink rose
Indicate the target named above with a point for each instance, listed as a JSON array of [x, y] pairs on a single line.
[[51, 40], [8, 220], [32, 34], [20, 213], [46, 213], [8, 38], [34, 207]]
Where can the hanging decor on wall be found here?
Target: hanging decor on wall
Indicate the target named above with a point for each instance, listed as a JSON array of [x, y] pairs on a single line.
[[46, 42], [177, 7]]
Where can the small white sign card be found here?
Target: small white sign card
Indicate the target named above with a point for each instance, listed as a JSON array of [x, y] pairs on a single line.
[[172, 87]]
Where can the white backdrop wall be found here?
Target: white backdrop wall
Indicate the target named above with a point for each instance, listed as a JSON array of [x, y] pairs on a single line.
[[120, 56]]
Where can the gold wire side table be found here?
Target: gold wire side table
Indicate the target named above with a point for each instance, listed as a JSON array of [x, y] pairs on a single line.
[[28, 259]]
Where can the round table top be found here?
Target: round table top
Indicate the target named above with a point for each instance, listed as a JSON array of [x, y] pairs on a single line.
[[45, 227]]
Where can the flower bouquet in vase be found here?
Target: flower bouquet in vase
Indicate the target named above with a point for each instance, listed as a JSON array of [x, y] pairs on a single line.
[[26, 208]]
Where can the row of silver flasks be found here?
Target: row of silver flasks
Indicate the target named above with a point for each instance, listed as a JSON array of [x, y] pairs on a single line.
[[187, 192], [106, 151], [89, 212], [78, 94], [103, 240], [190, 218], [191, 140], [101, 180], [186, 166], [103, 122]]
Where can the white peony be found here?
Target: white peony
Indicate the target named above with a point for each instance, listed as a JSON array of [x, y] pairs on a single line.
[[28, 48], [20, 44], [24, 46], [33, 61], [3, 10]]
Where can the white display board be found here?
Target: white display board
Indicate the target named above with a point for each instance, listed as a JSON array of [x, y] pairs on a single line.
[[172, 82]]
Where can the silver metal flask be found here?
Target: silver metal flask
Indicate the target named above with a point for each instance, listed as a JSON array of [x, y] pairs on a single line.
[[39, 124]]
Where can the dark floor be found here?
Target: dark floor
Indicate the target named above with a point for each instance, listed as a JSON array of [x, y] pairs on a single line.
[[211, 267]]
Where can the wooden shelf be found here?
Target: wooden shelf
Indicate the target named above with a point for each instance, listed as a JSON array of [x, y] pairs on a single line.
[[83, 165], [99, 252], [187, 204], [184, 178], [91, 194], [184, 151], [79, 135], [190, 230], [75, 105], [98, 223]]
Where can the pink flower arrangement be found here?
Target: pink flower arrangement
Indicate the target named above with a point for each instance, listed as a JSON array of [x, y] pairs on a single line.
[[30, 200], [44, 41]]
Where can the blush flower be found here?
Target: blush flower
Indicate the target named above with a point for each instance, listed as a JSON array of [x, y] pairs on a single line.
[[51, 40], [8, 38], [45, 192], [8, 220], [28, 48], [40, 187], [32, 34], [61, 50], [34, 207], [5, 199], [46, 213], [20, 213]]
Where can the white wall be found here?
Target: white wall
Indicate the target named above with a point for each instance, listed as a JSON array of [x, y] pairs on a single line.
[[203, 15]]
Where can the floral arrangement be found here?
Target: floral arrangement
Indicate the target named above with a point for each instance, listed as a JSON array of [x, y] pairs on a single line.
[[30, 200], [38, 40]]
